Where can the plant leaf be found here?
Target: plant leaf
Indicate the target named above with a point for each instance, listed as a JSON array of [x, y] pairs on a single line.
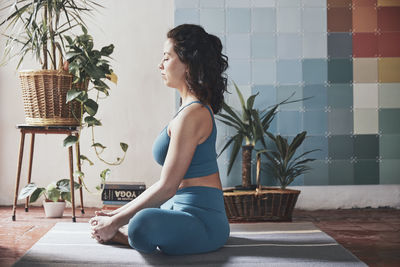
[[72, 94], [53, 194], [124, 146], [91, 107], [235, 150], [27, 190], [70, 140], [36, 194], [83, 157]]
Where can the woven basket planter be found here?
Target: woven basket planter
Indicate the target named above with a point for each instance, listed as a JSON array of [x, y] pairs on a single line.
[[268, 204], [44, 93]]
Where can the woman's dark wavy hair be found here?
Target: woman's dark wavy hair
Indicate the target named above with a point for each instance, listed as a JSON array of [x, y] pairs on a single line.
[[202, 54]]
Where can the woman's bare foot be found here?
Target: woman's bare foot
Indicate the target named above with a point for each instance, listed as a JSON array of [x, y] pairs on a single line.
[[121, 237]]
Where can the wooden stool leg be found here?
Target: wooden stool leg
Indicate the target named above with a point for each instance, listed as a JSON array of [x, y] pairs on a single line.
[[21, 154], [30, 168], [71, 180], [78, 161]]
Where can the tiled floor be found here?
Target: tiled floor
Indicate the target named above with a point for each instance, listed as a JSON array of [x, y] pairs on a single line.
[[373, 235]]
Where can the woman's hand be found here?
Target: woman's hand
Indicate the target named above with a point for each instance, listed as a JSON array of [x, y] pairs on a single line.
[[103, 228], [104, 213]]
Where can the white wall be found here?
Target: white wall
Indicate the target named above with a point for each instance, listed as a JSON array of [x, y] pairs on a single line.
[[135, 113]]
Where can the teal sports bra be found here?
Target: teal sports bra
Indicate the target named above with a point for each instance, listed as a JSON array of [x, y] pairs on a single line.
[[204, 161]]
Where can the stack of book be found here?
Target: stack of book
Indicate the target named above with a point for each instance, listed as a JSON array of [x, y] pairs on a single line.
[[116, 194]]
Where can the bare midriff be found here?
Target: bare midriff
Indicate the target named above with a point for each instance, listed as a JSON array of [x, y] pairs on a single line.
[[211, 180]]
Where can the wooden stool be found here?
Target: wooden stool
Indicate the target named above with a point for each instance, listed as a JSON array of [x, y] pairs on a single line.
[[68, 130]]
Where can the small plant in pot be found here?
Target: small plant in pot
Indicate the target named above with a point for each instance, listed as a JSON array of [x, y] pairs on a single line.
[[56, 194]]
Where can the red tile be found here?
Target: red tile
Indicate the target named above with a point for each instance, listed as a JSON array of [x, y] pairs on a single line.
[[365, 45], [389, 44], [339, 3], [388, 19], [339, 19]]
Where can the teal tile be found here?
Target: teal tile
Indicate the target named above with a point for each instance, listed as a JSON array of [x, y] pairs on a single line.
[[340, 45], [340, 70], [285, 91], [264, 20], [340, 96], [366, 172], [389, 171], [239, 71], [263, 71], [341, 147], [263, 45], [340, 121], [298, 181], [289, 45], [316, 122], [366, 146], [289, 71], [213, 20], [238, 20], [266, 96], [341, 172], [318, 97], [389, 146], [316, 142], [187, 15], [315, 71], [319, 173], [289, 122], [238, 46], [389, 122]]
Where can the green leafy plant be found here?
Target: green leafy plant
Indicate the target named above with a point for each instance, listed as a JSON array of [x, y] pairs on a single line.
[[39, 26], [92, 67], [250, 126], [284, 167], [55, 191]]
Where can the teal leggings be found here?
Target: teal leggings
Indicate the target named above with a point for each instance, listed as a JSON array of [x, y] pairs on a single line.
[[193, 221]]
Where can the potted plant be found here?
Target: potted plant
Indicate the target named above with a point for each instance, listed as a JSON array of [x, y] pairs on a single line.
[[38, 27], [56, 193], [251, 202], [60, 95]]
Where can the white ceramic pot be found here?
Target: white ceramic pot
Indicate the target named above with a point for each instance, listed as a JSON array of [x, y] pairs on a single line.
[[54, 209]]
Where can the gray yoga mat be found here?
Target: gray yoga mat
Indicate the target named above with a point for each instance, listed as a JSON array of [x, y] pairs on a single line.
[[251, 244]]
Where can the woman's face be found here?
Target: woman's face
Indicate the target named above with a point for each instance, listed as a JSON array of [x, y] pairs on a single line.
[[172, 69]]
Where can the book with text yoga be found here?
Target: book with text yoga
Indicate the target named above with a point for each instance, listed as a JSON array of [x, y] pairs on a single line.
[[122, 191]]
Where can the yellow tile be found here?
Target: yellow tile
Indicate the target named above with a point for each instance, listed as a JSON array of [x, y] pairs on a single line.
[[389, 69], [388, 3], [365, 70]]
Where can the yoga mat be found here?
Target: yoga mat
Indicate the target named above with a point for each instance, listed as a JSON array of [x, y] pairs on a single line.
[[250, 244]]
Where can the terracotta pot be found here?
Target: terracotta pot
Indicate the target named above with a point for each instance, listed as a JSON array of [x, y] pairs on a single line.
[[54, 209]]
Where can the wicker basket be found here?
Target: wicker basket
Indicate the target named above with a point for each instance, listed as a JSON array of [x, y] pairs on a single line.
[[269, 204], [44, 93]]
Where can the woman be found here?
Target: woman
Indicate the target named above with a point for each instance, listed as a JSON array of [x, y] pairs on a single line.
[[183, 212]]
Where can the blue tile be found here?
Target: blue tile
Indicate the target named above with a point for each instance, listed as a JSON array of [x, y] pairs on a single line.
[[315, 142], [341, 172], [238, 3], [266, 96], [238, 46], [315, 71], [289, 71], [286, 91], [314, 19], [319, 173], [239, 71], [212, 3], [340, 70], [289, 45], [263, 71], [187, 15], [213, 20], [316, 122], [298, 181], [340, 121], [238, 20], [340, 95], [318, 94], [289, 122], [263, 45], [288, 19], [288, 3], [340, 45], [264, 20]]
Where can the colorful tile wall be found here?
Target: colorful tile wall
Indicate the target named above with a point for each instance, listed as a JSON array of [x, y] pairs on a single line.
[[345, 54]]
